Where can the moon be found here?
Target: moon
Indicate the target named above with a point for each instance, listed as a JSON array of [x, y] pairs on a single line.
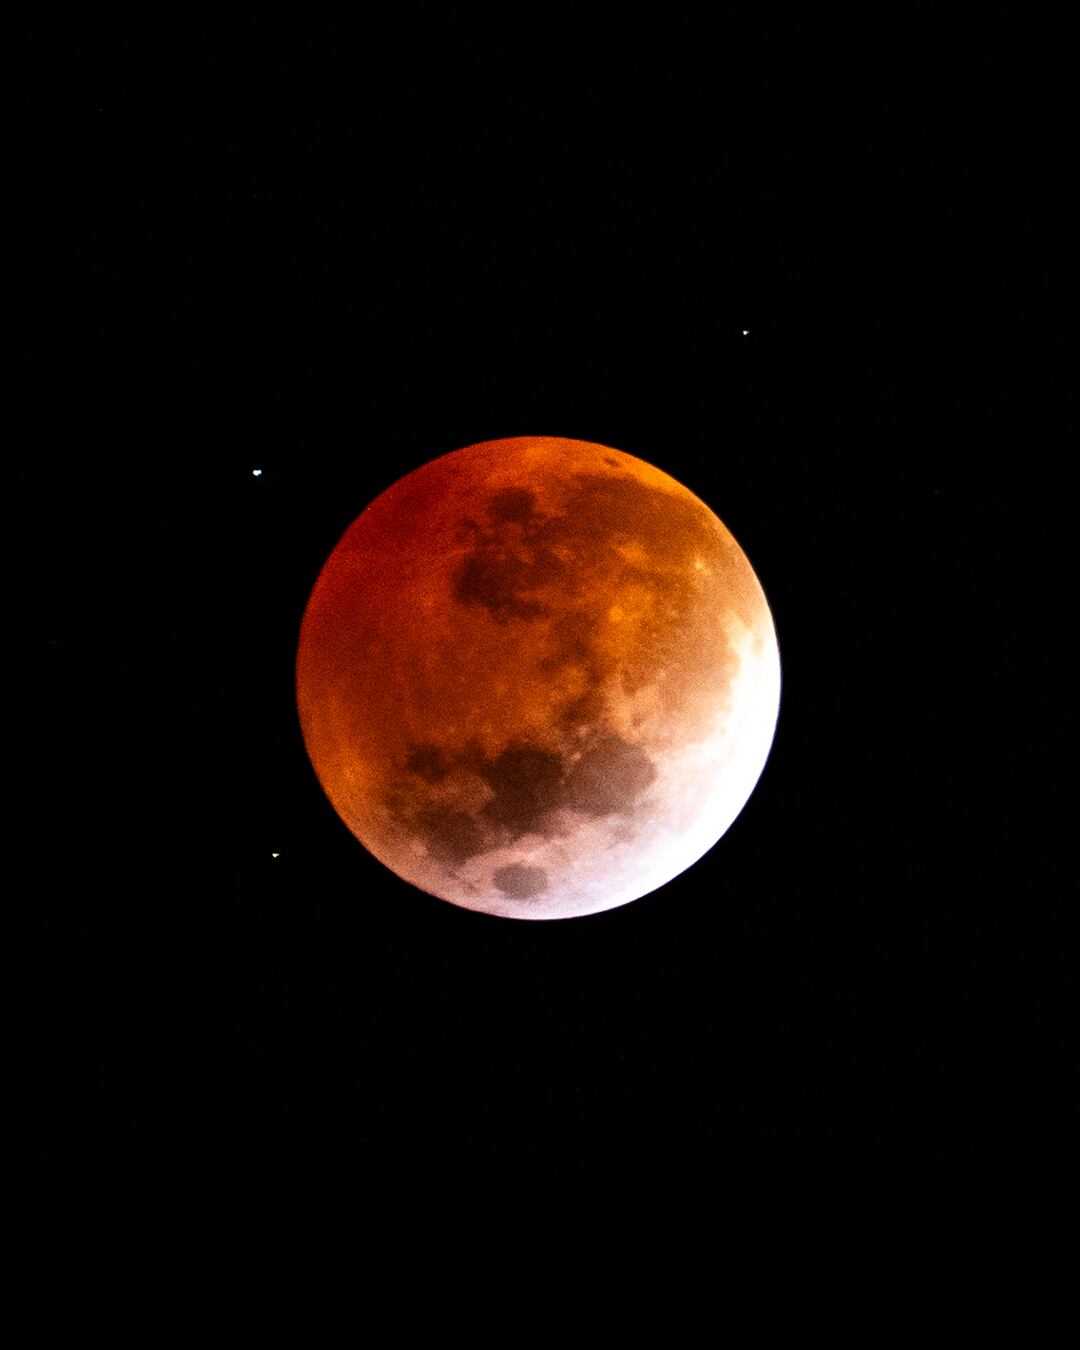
[[538, 677]]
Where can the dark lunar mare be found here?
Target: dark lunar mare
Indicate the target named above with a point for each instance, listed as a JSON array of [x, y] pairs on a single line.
[[519, 882], [515, 553]]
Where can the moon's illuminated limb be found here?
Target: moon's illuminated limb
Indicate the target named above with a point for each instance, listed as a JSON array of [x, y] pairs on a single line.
[[538, 677]]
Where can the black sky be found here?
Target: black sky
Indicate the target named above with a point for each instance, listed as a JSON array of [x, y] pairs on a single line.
[[332, 254]]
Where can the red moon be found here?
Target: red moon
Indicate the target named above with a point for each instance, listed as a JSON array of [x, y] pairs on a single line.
[[538, 677]]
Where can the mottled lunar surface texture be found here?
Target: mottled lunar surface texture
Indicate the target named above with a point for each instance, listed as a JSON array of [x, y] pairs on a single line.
[[538, 677]]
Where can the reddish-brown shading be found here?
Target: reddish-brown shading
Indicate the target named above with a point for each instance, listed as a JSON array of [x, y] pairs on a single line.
[[504, 657]]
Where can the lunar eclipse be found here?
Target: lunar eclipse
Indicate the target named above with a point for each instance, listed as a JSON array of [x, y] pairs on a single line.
[[538, 677]]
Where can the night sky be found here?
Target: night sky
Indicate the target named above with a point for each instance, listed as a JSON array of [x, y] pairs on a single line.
[[331, 254]]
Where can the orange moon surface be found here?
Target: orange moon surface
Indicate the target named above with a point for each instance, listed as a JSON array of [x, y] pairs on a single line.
[[538, 677]]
